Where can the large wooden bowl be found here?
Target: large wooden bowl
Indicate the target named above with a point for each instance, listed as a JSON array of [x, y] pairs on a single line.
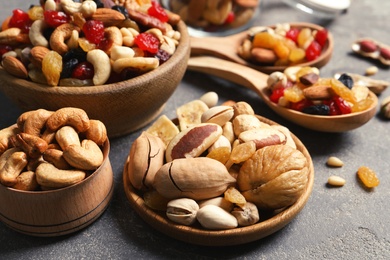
[[123, 107], [62, 211], [236, 236]]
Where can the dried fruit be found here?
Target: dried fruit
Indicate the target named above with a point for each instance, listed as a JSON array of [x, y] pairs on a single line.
[[52, 67], [234, 196], [147, 42], [220, 154], [94, 31], [368, 177]]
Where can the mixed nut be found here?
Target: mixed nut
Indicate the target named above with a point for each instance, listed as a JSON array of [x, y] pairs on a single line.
[[214, 16], [219, 166], [47, 150], [372, 49], [302, 89], [83, 43], [283, 45]]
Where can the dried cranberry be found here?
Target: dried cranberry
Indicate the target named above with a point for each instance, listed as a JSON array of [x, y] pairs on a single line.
[[292, 34], [299, 106], [230, 18], [55, 18], [342, 105], [94, 31], [157, 11], [321, 37], [313, 51], [83, 70], [147, 42], [276, 94], [21, 20], [333, 108]]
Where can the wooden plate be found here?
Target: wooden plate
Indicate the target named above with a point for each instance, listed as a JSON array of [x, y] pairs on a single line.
[[199, 236]]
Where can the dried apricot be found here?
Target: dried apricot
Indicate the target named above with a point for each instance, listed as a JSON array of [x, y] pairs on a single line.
[[368, 177], [264, 40]]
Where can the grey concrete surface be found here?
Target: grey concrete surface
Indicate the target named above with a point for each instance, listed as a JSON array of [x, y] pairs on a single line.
[[337, 223]]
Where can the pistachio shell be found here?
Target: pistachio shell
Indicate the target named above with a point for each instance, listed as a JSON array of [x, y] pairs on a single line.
[[246, 215], [218, 115], [182, 211]]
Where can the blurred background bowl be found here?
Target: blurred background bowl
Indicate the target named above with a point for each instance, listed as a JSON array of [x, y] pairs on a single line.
[[123, 106], [61, 211]]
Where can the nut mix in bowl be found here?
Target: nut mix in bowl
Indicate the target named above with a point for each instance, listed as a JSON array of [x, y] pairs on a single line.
[[118, 69], [217, 175], [54, 162]]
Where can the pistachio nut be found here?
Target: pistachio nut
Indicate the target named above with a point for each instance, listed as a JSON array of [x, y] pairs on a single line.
[[245, 122], [182, 211], [196, 178], [216, 218], [246, 215]]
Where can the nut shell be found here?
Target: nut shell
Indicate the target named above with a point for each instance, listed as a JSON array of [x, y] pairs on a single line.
[[274, 185]]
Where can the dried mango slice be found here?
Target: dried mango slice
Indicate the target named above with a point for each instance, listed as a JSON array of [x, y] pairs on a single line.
[[164, 128], [190, 113]]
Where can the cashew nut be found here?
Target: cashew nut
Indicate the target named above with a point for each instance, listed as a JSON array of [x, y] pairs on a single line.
[[60, 35], [141, 64], [34, 122], [88, 156], [75, 117], [33, 145], [128, 35], [5, 135], [168, 45], [49, 176], [7, 154], [101, 64], [66, 136], [73, 41], [118, 52], [97, 132], [50, 5], [114, 35], [26, 181], [87, 8], [55, 157], [36, 33], [12, 168]]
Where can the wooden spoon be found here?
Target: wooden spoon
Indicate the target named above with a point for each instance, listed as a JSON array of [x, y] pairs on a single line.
[[226, 48], [257, 81]]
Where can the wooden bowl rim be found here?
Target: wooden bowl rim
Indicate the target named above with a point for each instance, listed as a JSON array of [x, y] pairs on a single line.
[[235, 236], [179, 54]]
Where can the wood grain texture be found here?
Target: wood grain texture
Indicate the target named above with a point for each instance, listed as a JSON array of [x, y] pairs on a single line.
[[123, 107], [257, 81], [200, 236], [62, 211], [227, 48]]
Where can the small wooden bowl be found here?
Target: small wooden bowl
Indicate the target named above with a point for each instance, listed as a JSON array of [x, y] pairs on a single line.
[[62, 211], [236, 236], [123, 107]]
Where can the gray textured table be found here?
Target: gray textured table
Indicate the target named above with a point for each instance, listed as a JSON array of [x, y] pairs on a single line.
[[337, 223]]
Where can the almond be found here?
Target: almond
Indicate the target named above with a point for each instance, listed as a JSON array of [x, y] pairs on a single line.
[[264, 55], [14, 67], [318, 92], [36, 55], [109, 17]]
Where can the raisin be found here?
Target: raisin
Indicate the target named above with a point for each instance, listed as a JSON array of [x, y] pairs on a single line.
[[297, 55], [243, 152], [294, 94], [234, 196], [346, 80], [368, 177], [155, 201], [162, 56], [99, 3], [121, 9], [220, 154], [320, 109], [303, 36], [341, 90], [52, 67], [68, 66]]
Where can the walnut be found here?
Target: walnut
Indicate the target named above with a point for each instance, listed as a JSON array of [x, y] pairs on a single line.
[[274, 177]]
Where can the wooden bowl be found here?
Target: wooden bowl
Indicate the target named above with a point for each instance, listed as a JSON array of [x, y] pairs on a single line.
[[236, 236], [123, 107], [62, 211]]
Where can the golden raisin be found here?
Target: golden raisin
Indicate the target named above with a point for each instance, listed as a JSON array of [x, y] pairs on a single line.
[[52, 67], [343, 91], [294, 94], [220, 154], [362, 105], [303, 36], [368, 177], [234, 196], [155, 201], [297, 55], [35, 13], [242, 152], [264, 40]]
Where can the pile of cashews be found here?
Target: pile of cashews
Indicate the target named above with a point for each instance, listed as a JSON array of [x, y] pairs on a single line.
[[48, 150], [26, 60]]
